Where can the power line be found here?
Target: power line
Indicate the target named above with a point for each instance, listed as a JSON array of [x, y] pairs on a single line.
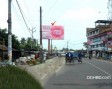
[[51, 7], [23, 16], [16, 13], [15, 10], [27, 11], [76, 44]]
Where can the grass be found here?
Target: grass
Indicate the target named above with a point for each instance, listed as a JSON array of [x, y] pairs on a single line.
[[14, 78]]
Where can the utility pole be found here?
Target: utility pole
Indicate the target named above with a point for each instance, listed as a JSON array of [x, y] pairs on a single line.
[[109, 6], [40, 25], [9, 32], [41, 54], [32, 31]]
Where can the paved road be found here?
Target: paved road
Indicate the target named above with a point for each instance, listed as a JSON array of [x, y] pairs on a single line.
[[75, 76]]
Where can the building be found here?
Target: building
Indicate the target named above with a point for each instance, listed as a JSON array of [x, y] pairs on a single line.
[[99, 39], [4, 51]]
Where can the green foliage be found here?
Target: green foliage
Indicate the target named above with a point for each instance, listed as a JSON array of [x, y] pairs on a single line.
[[85, 44], [14, 78], [3, 34], [15, 42], [29, 44], [23, 43], [26, 44]]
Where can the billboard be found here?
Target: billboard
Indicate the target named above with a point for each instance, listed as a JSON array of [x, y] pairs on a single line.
[[52, 32], [46, 32], [57, 32]]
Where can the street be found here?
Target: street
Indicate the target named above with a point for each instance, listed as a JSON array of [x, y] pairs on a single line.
[[91, 74]]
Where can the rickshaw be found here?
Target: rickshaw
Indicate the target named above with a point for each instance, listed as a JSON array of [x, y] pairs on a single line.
[[69, 57]]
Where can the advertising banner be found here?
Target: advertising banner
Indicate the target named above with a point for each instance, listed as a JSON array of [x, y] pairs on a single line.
[[46, 32], [57, 32], [52, 32]]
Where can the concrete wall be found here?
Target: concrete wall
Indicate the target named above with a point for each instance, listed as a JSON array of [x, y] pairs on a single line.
[[43, 71]]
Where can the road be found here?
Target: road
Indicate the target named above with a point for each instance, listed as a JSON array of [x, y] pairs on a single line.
[[77, 76]]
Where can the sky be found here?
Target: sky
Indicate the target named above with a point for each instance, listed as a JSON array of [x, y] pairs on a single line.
[[74, 15]]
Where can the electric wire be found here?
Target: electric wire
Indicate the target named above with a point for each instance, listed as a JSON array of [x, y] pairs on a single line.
[[26, 7], [76, 44], [16, 14], [23, 16], [51, 7]]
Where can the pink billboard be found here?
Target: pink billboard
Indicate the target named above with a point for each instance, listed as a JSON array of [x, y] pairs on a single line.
[[57, 32], [52, 32]]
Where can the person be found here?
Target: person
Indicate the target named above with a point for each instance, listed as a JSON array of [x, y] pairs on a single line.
[[44, 59], [69, 54], [79, 57], [89, 56]]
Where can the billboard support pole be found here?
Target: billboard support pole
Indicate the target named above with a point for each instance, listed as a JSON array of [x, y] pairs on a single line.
[[49, 46], [52, 24]]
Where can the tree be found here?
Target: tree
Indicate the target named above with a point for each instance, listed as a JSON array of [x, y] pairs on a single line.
[[29, 44], [85, 44], [15, 42], [26, 44], [4, 35], [22, 43], [35, 45]]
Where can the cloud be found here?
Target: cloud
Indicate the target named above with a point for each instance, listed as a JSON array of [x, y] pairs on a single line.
[[81, 14]]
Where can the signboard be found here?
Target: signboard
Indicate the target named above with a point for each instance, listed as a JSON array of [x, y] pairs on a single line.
[[52, 32], [46, 32], [89, 42], [57, 32]]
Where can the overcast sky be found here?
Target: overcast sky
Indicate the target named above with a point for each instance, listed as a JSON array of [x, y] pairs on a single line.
[[74, 15]]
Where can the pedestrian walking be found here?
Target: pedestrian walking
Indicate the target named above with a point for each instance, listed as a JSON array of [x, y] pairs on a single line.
[[44, 59], [80, 57], [89, 56]]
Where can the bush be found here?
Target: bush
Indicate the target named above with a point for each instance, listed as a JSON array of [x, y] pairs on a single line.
[[14, 78]]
